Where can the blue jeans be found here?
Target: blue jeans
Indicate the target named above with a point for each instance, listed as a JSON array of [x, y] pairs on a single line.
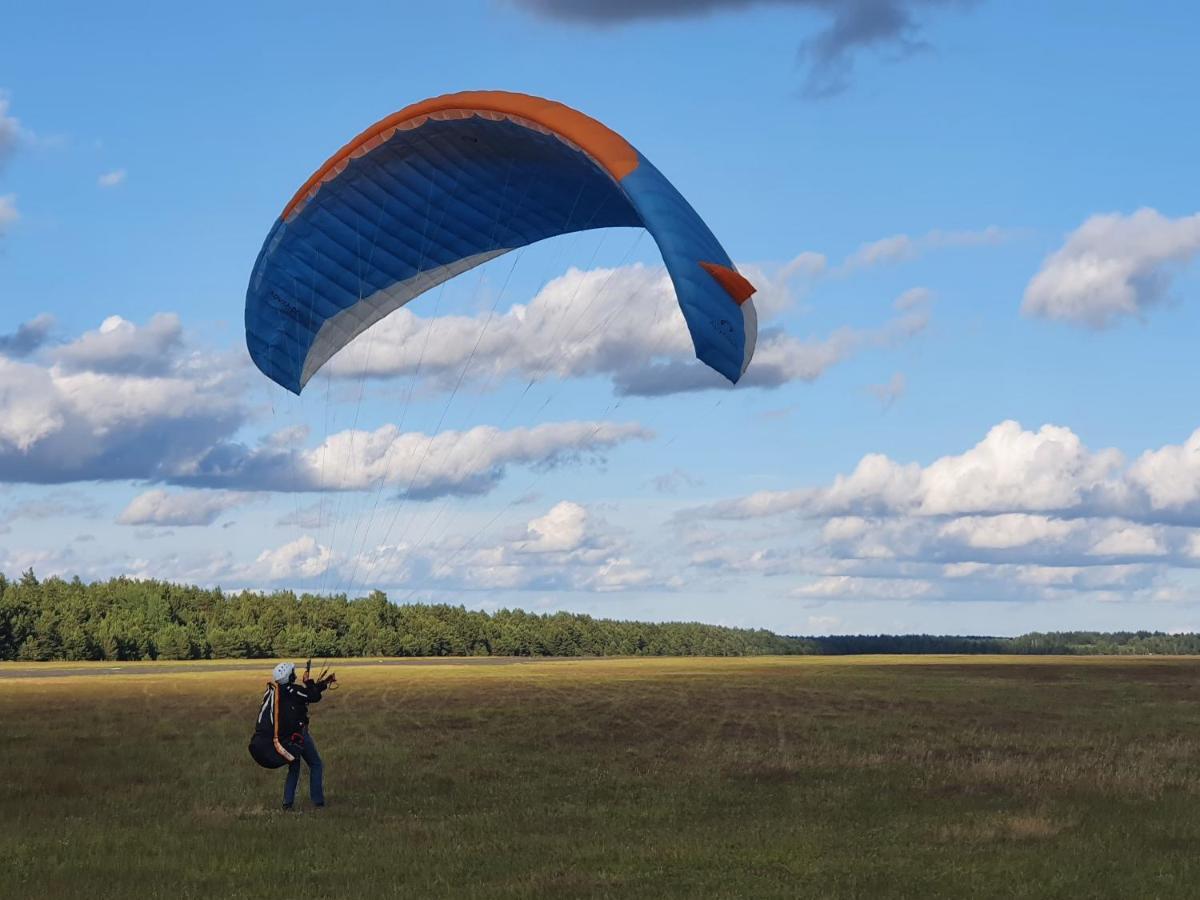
[[316, 774]]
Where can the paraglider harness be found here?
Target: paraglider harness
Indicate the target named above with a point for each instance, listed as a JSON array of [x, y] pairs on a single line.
[[269, 748]]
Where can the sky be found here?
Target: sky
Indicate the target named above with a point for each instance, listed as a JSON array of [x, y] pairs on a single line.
[[974, 230]]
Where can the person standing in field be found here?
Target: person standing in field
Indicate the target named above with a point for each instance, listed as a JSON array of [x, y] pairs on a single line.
[[282, 736]]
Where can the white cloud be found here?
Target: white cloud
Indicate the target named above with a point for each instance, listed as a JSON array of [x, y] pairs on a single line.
[[582, 323], [779, 358], [807, 264], [299, 560], [1130, 540], [620, 574], [1170, 476], [1111, 267], [449, 463], [1022, 515], [1017, 470], [560, 530], [845, 528], [121, 347], [623, 324], [717, 555], [902, 247], [1091, 578], [1006, 530], [30, 410], [93, 414], [851, 587], [160, 507], [130, 401], [963, 569], [1010, 470], [111, 179], [567, 548]]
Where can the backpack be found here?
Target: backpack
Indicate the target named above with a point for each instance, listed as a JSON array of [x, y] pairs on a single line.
[[267, 747], [263, 751]]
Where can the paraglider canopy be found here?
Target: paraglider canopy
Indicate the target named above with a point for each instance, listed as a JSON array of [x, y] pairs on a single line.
[[450, 183]]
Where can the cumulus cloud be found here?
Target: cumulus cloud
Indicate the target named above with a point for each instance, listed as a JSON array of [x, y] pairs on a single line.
[[1011, 538], [296, 561], [1022, 515], [1112, 267], [1006, 530], [111, 179], [1130, 540], [160, 507], [136, 401], [562, 529], [852, 26], [568, 547], [1170, 475], [28, 338], [91, 413], [120, 347], [623, 324], [449, 463], [1010, 470]]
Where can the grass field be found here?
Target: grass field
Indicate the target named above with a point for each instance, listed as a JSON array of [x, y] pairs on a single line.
[[756, 778]]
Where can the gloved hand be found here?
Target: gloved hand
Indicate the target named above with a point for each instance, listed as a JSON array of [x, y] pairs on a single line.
[[329, 679]]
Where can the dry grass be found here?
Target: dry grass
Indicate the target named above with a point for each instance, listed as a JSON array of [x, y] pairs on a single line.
[[870, 776], [1030, 826]]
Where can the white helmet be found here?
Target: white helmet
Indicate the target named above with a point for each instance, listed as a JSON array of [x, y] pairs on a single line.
[[283, 672]]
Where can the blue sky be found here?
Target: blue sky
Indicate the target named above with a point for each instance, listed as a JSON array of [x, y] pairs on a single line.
[[974, 228]]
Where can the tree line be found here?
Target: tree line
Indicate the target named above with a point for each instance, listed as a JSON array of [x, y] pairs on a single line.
[[1055, 643], [131, 619], [128, 619]]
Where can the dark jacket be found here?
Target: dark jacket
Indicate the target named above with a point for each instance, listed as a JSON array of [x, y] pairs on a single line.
[[282, 721], [288, 705]]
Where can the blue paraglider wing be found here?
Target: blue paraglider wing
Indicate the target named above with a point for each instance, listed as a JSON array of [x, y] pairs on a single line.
[[450, 183]]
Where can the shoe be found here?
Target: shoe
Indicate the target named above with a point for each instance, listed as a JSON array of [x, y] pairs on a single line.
[[287, 807]]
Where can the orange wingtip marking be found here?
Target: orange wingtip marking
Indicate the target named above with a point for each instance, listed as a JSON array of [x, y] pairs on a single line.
[[611, 151], [736, 286]]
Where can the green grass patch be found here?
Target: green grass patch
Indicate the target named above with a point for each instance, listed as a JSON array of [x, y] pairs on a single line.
[[756, 778]]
